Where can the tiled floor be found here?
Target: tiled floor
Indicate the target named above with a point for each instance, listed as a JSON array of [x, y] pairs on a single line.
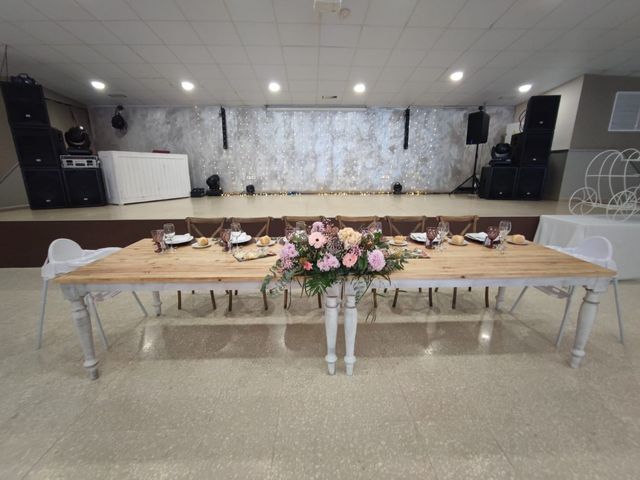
[[437, 393]]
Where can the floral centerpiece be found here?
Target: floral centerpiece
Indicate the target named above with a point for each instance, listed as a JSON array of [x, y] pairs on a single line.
[[328, 255]]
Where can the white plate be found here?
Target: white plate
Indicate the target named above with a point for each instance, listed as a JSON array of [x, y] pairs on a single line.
[[464, 242], [195, 245], [180, 239], [270, 244], [401, 244], [242, 238]]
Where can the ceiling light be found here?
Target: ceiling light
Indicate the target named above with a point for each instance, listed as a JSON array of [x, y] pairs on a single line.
[[188, 86], [274, 87], [359, 87], [457, 76], [98, 85], [524, 88]]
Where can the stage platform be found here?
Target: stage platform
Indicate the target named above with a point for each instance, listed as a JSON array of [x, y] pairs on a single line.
[[27, 233]]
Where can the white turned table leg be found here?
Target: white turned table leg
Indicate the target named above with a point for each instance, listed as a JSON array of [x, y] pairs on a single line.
[[82, 320], [586, 319], [350, 327], [157, 304], [331, 327], [500, 298]]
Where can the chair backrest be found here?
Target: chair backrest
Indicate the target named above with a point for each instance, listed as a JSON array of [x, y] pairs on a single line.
[[597, 248], [291, 221], [357, 223], [63, 249], [258, 226], [205, 227], [416, 223], [459, 225]]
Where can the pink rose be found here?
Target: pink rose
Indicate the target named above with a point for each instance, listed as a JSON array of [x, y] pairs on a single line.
[[317, 240], [349, 260], [307, 266]]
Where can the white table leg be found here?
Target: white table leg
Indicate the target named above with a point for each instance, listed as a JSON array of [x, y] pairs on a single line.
[[157, 304], [350, 327], [500, 298], [331, 327], [586, 319], [82, 320]]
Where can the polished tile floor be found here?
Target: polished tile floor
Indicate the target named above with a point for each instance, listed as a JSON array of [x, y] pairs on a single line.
[[437, 393]]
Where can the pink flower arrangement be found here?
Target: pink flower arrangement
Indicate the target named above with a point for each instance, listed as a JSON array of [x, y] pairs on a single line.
[[317, 240], [328, 262], [349, 260], [288, 251], [376, 260], [317, 227]]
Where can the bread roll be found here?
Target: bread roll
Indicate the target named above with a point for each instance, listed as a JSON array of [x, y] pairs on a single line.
[[457, 240], [265, 240], [203, 241], [398, 238], [517, 238]]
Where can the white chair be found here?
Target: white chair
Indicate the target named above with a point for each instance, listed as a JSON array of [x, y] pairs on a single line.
[[597, 250], [64, 256]]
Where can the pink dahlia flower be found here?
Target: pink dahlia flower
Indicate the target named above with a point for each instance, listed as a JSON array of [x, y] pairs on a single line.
[[317, 240], [376, 260], [288, 251], [317, 227], [349, 260], [328, 262]]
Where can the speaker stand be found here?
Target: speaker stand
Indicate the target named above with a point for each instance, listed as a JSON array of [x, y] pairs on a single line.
[[473, 178]]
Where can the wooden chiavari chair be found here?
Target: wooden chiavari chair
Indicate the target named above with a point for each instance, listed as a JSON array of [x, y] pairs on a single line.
[[461, 225], [203, 227]]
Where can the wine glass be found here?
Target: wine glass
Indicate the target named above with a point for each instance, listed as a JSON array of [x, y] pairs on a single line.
[[504, 229], [288, 232], [301, 231], [432, 233], [236, 232], [492, 234], [225, 237], [158, 240], [169, 232], [443, 231], [375, 227]]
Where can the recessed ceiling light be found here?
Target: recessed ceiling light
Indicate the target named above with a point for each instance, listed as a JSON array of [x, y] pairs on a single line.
[[457, 76], [524, 88], [188, 86], [274, 87], [359, 87], [98, 85]]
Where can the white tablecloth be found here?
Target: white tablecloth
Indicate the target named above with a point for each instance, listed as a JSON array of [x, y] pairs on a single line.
[[570, 230]]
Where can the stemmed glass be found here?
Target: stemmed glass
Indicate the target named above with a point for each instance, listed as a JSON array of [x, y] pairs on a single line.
[[443, 231], [169, 232], [158, 240], [432, 233], [288, 232], [236, 231], [504, 229], [301, 230], [375, 227], [492, 234], [225, 237]]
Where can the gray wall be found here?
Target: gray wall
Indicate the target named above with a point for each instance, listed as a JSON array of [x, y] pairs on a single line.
[[308, 151]]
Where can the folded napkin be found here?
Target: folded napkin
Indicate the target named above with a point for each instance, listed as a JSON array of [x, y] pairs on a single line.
[[245, 255], [409, 252], [476, 237]]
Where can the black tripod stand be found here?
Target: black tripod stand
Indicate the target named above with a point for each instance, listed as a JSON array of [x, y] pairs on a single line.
[[475, 181]]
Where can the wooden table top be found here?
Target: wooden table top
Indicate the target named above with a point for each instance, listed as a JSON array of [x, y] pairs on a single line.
[[138, 263]]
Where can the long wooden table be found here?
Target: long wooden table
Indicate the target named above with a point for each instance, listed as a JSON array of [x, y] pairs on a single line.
[[137, 267]]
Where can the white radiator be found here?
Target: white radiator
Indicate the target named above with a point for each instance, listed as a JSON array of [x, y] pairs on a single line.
[[132, 177]]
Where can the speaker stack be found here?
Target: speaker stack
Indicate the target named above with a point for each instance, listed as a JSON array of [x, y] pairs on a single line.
[[524, 178], [40, 147]]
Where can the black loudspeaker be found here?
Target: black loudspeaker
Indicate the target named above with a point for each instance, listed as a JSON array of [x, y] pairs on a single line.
[[530, 183], [25, 105], [477, 127], [84, 186], [497, 182], [531, 148], [45, 187], [542, 111], [38, 147]]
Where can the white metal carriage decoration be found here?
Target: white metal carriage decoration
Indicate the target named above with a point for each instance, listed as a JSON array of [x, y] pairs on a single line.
[[611, 183]]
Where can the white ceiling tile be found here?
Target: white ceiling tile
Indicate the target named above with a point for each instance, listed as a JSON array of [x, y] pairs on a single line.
[[174, 72], [265, 55], [229, 54], [371, 57], [480, 13], [251, 10], [204, 10], [379, 37], [155, 53], [440, 58], [139, 70], [613, 15], [294, 11], [535, 39], [174, 32], [442, 87], [426, 74], [435, 13], [106, 71], [631, 46], [428, 99], [118, 53], [331, 87], [331, 72], [395, 74], [508, 58], [571, 12], [81, 54], [303, 98], [271, 73], [419, 37], [192, 53], [109, 10], [335, 56], [384, 12], [156, 9], [19, 10], [43, 53], [246, 85], [91, 32], [405, 58], [595, 40], [300, 35], [525, 13], [49, 33], [303, 86], [61, 9], [473, 60], [133, 32], [258, 33], [339, 35], [217, 33], [356, 17], [384, 86], [497, 39], [367, 75], [238, 72], [458, 38], [204, 70], [302, 72], [300, 55]]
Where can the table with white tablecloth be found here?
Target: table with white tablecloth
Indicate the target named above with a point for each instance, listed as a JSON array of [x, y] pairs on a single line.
[[570, 230]]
